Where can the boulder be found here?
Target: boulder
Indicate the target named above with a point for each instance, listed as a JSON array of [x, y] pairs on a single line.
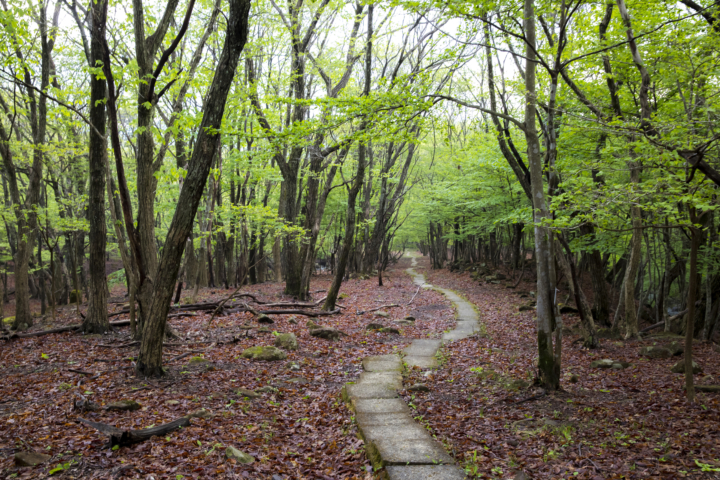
[[247, 393], [264, 353], [574, 378], [679, 367], [374, 326], [233, 453], [676, 348], [390, 330], [265, 319], [500, 276], [383, 314], [327, 333], [604, 363], [312, 325], [267, 389], [526, 308], [293, 321], [172, 402], [409, 318], [30, 459], [655, 352], [197, 360], [490, 278], [286, 341], [127, 405]]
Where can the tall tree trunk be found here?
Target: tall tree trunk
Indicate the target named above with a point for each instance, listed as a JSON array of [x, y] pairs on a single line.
[[150, 357], [96, 320], [548, 369], [692, 294]]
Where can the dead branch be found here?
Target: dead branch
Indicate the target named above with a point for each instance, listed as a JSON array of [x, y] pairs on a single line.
[[413, 297], [378, 308], [67, 328], [125, 438]]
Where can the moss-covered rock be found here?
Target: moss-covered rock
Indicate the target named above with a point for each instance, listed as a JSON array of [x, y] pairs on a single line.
[[286, 341], [264, 353]]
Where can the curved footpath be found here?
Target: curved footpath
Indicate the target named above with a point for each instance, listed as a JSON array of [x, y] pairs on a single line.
[[392, 438]]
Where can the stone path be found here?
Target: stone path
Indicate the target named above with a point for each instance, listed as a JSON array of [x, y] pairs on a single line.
[[392, 438]]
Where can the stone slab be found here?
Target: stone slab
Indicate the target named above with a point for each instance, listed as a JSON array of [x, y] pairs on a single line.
[[383, 419], [391, 379], [382, 363], [423, 348], [425, 472], [370, 390], [406, 432], [380, 405], [399, 450], [422, 362], [455, 335]]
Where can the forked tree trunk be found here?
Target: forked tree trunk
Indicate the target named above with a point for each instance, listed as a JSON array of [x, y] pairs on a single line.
[[150, 357]]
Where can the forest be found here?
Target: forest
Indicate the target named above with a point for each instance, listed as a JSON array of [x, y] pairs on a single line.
[[360, 239]]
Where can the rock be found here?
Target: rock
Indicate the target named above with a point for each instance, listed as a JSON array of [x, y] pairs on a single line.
[[292, 366], [418, 387], [374, 326], [490, 278], [617, 366], [128, 405], [293, 321], [312, 325], [197, 360], [203, 413], [574, 378], [263, 330], [604, 363], [172, 402], [525, 308], [676, 348], [247, 393], [7, 321], [287, 341], [679, 367], [264, 353], [655, 352], [500, 276], [245, 327], [383, 314], [409, 318], [390, 330], [521, 476], [75, 295], [265, 319], [233, 453], [326, 332], [30, 459], [495, 282], [568, 309], [267, 389], [550, 423], [404, 322]]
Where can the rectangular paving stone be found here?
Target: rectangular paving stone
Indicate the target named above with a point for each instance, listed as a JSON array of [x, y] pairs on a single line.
[[370, 390], [456, 335], [391, 379], [407, 432], [399, 450], [382, 419], [423, 347], [422, 362], [380, 405], [382, 363], [425, 472]]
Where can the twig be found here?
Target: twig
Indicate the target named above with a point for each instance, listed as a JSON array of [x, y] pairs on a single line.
[[413, 297], [82, 372], [378, 308]]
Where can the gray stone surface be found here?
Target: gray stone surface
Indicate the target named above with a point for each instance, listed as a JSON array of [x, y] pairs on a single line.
[[422, 362], [425, 472], [391, 379], [382, 363], [370, 390], [383, 419], [380, 405], [423, 348], [401, 450]]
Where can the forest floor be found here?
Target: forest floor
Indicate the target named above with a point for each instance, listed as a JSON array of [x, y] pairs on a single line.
[[630, 423]]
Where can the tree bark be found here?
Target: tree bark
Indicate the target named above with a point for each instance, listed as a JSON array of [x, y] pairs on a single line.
[[96, 320], [150, 357]]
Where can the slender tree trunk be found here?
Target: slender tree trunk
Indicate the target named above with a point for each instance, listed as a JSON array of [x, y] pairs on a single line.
[[96, 320]]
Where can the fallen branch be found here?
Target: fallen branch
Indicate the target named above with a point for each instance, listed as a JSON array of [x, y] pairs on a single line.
[[67, 328], [413, 297], [299, 312], [125, 438], [652, 327], [82, 372], [378, 308]]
